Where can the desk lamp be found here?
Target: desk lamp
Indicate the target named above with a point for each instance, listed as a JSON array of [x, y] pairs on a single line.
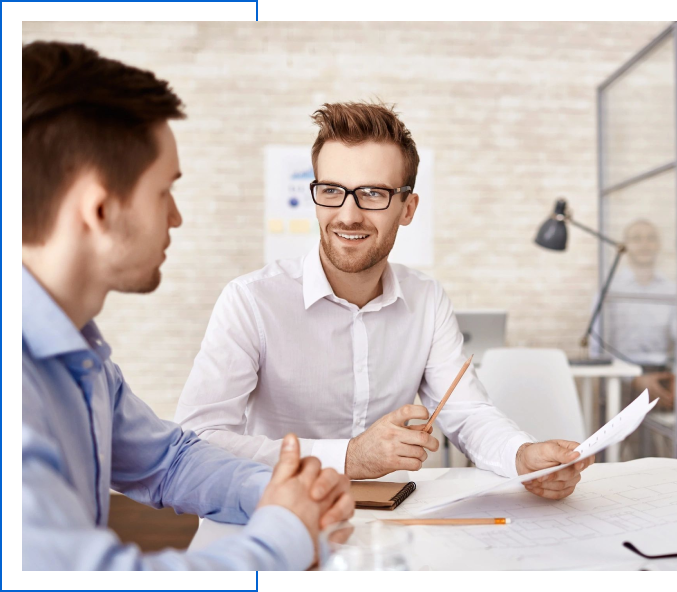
[[553, 235]]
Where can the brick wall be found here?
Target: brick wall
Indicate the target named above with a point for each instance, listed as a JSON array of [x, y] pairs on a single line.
[[509, 109]]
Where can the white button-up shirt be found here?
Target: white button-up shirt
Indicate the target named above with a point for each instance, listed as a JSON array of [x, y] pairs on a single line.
[[641, 329], [282, 353]]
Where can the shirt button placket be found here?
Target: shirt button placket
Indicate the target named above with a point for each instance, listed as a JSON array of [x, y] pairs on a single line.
[[361, 373]]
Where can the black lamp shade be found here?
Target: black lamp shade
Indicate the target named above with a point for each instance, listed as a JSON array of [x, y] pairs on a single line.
[[553, 232]]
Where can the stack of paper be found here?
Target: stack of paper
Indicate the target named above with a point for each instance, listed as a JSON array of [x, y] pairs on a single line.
[[619, 428]]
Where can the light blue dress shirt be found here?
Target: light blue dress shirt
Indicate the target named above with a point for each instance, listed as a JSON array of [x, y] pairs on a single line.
[[84, 432]]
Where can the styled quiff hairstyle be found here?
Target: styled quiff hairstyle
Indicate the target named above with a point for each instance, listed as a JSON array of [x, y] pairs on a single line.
[[354, 123], [84, 112]]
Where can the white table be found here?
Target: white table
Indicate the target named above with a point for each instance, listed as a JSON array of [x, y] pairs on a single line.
[[209, 531], [610, 554], [611, 374]]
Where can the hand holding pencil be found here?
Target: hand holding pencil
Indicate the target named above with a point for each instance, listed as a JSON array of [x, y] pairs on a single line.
[[390, 445], [428, 427]]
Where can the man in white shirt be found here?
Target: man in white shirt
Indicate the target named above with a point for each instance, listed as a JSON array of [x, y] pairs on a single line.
[[334, 346], [639, 315]]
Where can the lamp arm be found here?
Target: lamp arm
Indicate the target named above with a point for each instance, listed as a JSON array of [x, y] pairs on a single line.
[[594, 233], [619, 252]]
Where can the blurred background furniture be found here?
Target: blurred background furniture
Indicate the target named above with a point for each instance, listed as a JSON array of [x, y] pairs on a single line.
[[609, 376], [482, 330], [534, 388]]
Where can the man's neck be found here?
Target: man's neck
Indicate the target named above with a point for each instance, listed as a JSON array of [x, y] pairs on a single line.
[[357, 288], [644, 274], [66, 281]]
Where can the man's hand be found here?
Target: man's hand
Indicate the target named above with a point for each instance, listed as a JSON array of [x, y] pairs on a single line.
[[533, 457], [317, 497], [661, 385], [333, 492], [388, 445]]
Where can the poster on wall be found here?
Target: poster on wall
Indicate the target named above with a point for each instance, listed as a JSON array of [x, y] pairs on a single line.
[[291, 228]]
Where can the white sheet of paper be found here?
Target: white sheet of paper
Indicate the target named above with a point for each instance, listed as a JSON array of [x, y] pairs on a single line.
[[615, 431], [632, 501]]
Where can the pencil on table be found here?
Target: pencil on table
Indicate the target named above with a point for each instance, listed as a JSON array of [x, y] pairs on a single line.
[[447, 521]]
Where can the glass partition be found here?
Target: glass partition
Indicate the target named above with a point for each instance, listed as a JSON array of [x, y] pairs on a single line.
[[637, 142], [639, 117]]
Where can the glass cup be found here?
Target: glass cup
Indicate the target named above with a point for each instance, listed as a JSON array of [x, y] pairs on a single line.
[[370, 546]]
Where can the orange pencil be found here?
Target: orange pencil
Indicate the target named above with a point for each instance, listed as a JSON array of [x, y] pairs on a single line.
[[461, 372], [447, 521]]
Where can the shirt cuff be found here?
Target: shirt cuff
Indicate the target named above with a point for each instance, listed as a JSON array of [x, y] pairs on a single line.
[[510, 452], [332, 453], [252, 490], [283, 533]]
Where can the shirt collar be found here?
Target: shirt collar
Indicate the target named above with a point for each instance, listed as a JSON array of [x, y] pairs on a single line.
[[392, 290], [46, 329], [315, 282], [317, 286]]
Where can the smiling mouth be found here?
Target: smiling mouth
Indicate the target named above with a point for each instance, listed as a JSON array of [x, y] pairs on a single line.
[[353, 238]]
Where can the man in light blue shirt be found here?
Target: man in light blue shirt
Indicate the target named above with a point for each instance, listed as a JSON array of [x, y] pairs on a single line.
[[99, 160]]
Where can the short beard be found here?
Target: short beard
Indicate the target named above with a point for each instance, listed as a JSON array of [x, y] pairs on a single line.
[[130, 282], [144, 285], [354, 264], [150, 285]]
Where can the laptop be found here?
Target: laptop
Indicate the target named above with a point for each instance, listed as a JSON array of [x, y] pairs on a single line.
[[482, 330]]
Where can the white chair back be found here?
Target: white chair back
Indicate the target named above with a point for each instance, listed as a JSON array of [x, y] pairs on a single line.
[[534, 388]]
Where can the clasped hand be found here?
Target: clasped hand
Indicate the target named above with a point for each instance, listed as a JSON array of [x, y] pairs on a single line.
[[318, 497]]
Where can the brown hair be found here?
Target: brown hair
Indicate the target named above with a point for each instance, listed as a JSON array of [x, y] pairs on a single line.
[[354, 123], [82, 111]]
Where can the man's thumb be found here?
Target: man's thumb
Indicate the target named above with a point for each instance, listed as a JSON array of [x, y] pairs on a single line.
[[563, 451], [290, 458]]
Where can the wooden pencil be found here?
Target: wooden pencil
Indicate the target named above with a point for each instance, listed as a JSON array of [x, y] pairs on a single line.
[[461, 372], [447, 521]]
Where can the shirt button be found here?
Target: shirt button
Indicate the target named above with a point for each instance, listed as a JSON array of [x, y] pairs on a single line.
[[87, 364], [101, 457]]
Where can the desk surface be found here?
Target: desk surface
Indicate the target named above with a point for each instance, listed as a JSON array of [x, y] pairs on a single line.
[[647, 517], [617, 369]]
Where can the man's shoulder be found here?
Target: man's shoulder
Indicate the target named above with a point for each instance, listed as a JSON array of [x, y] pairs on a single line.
[[666, 285], [275, 272], [413, 280]]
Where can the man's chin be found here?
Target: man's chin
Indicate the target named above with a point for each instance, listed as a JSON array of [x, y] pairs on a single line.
[[352, 265], [353, 262], [145, 286], [153, 282]]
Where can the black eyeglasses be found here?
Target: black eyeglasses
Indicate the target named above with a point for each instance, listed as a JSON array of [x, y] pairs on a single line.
[[331, 195]]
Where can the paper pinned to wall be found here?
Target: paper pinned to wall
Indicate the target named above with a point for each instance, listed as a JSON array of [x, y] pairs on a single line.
[[291, 228], [615, 431]]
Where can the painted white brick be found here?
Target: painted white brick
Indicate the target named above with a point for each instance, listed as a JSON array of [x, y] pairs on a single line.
[[509, 109]]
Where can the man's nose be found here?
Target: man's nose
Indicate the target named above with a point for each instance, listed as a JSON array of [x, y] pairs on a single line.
[[349, 213], [175, 219]]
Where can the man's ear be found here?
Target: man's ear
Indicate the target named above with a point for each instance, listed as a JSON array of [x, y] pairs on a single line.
[[410, 205], [99, 209]]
